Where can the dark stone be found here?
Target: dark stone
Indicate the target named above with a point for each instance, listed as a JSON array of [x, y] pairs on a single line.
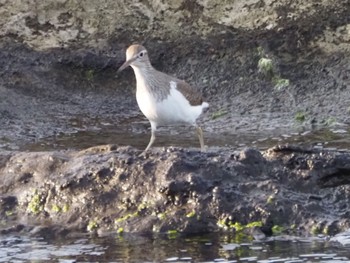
[[8, 203], [169, 194]]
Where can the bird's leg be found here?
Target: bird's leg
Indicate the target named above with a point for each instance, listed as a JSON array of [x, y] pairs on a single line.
[[153, 136], [200, 136]]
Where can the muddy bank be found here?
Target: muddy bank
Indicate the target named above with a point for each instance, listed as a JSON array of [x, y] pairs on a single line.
[[264, 66], [173, 190]]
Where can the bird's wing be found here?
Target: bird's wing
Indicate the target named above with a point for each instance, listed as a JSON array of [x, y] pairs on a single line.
[[193, 96]]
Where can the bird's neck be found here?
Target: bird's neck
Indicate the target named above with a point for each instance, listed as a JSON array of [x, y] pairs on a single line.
[[152, 81], [144, 74]]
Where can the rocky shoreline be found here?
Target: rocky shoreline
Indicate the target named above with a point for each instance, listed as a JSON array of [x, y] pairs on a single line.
[[263, 65], [109, 188]]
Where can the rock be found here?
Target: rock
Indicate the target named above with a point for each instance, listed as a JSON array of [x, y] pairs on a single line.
[[100, 189]]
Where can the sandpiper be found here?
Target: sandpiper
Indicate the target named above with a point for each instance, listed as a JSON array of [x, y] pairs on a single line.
[[163, 99]]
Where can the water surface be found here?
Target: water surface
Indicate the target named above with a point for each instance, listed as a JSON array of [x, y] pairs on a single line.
[[136, 248], [205, 248], [138, 135]]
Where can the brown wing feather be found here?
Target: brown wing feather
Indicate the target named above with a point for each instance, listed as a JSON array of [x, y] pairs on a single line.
[[193, 96]]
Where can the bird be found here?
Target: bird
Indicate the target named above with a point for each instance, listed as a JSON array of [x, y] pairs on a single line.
[[163, 99]]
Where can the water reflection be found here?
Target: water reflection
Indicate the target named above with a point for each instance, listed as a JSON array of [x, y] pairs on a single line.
[[138, 136], [135, 248]]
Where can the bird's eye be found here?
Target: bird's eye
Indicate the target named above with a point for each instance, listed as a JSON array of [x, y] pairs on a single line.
[[141, 54]]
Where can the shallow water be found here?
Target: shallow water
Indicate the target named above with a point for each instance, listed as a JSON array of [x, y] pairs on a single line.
[[139, 135], [132, 248], [208, 248]]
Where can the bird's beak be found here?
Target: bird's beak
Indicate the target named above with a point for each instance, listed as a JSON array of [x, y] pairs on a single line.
[[126, 64]]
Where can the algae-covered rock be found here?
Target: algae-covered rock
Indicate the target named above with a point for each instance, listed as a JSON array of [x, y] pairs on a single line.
[[111, 188]]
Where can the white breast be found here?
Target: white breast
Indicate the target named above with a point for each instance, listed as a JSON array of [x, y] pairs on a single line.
[[175, 109], [147, 103]]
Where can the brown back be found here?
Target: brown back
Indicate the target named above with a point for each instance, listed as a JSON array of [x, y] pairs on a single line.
[[193, 96]]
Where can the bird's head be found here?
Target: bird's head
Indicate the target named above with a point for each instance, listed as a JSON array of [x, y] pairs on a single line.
[[136, 55]]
